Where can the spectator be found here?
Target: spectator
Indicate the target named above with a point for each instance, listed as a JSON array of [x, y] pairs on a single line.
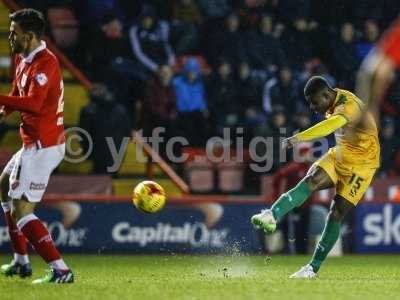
[[214, 9], [290, 11], [367, 9], [370, 37], [227, 42], [282, 90], [250, 101], [297, 42], [222, 97], [185, 26], [114, 44], [150, 42], [159, 102], [191, 103], [276, 129], [302, 121], [264, 51], [345, 61], [97, 9], [186, 11], [249, 90], [104, 117], [159, 107]]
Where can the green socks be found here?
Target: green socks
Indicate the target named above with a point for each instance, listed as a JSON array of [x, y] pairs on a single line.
[[291, 199], [326, 243]]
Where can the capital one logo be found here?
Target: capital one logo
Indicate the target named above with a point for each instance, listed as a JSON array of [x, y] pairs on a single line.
[[382, 228]]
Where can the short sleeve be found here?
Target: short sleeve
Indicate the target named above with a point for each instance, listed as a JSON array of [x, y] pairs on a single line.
[[390, 43], [350, 109]]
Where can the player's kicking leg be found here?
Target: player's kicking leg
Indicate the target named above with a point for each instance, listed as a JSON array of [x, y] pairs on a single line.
[[316, 179], [339, 209], [20, 263], [40, 238]]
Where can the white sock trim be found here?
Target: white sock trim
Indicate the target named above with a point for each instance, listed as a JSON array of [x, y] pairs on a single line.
[[58, 264], [21, 259], [25, 220], [7, 206]]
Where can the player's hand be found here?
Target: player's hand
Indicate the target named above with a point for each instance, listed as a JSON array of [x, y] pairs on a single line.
[[289, 142]]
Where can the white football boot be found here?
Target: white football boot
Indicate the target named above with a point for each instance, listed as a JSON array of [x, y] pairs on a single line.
[[264, 220], [304, 272]]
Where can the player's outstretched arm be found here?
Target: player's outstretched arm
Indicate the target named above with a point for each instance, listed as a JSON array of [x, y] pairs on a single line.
[[319, 130], [375, 75]]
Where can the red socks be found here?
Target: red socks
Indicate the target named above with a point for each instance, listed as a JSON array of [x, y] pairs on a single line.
[[40, 238], [18, 241]]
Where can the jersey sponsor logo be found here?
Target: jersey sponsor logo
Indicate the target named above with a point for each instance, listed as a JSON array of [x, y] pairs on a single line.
[[41, 78], [37, 186]]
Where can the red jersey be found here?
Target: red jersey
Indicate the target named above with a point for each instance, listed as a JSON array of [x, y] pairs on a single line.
[[38, 94], [390, 43]]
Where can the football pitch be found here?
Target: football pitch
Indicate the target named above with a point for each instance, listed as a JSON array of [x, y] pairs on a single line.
[[213, 277]]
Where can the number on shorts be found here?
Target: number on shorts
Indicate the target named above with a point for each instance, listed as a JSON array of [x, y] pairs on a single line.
[[355, 181]]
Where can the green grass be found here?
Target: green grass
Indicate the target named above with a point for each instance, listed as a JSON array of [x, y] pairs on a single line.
[[204, 277]]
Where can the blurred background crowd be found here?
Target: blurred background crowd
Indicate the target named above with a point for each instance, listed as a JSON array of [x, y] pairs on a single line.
[[198, 66]]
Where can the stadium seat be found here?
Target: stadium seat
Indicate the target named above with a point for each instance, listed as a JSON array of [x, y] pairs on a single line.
[[14, 119], [231, 177], [80, 184], [134, 162], [67, 75], [5, 88], [4, 45], [11, 141], [4, 20], [84, 167], [75, 98], [200, 176]]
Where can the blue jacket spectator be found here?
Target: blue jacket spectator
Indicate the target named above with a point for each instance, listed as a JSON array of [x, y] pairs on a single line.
[[189, 88], [191, 104]]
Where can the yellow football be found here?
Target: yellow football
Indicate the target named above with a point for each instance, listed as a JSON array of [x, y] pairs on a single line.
[[149, 197]]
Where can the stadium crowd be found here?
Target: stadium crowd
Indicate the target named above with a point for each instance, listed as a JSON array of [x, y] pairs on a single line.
[[198, 66]]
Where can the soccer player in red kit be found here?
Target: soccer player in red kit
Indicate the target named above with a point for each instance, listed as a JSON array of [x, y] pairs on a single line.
[[37, 93], [378, 69]]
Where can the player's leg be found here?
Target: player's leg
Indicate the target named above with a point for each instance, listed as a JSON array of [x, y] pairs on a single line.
[[20, 262], [339, 209], [40, 238], [316, 179]]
